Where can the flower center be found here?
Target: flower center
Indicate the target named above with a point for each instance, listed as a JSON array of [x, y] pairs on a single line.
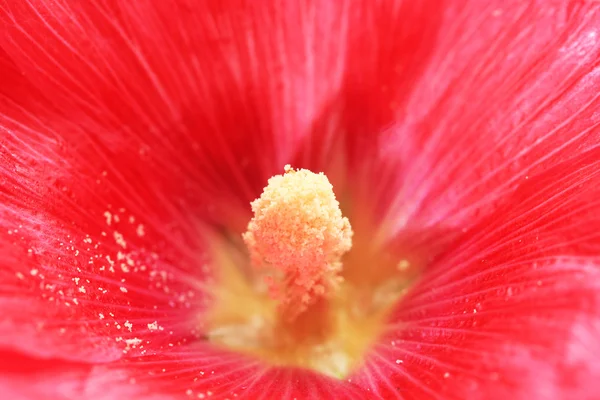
[[299, 293], [297, 238]]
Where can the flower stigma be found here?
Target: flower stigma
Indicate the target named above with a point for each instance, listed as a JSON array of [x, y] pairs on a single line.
[[294, 290], [298, 236]]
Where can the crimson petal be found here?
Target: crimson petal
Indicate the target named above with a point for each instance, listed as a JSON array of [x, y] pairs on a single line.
[[512, 310], [511, 90]]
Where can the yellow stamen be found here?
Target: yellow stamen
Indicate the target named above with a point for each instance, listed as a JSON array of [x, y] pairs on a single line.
[[297, 237], [287, 304]]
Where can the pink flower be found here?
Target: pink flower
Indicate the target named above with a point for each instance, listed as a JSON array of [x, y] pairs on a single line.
[[461, 139]]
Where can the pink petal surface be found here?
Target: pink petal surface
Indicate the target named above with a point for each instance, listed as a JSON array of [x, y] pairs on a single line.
[[54, 379], [194, 372], [207, 373], [513, 309], [510, 91]]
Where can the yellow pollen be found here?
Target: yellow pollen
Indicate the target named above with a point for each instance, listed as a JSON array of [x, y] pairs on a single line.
[[297, 238]]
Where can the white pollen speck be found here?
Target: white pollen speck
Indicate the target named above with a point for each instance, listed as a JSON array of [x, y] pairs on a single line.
[[101, 315], [399, 361], [20, 275], [153, 326], [108, 217], [76, 280], [33, 272], [189, 392], [119, 239], [82, 289], [133, 342], [123, 289], [128, 325], [140, 230], [446, 375]]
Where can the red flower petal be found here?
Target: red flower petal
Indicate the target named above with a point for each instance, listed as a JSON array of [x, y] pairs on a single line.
[[514, 309], [97, 96], [204, 372], [511, 90], [90, 267], [59, 380], [98, 123], [243, 84], [196, 372]]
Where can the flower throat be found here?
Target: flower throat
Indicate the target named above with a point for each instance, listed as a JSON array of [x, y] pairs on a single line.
[[289, 303]]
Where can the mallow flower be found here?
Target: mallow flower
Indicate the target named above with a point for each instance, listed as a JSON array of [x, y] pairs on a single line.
[[303, 199]]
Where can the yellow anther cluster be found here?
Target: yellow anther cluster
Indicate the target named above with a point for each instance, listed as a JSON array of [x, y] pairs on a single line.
[[297, 237]]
